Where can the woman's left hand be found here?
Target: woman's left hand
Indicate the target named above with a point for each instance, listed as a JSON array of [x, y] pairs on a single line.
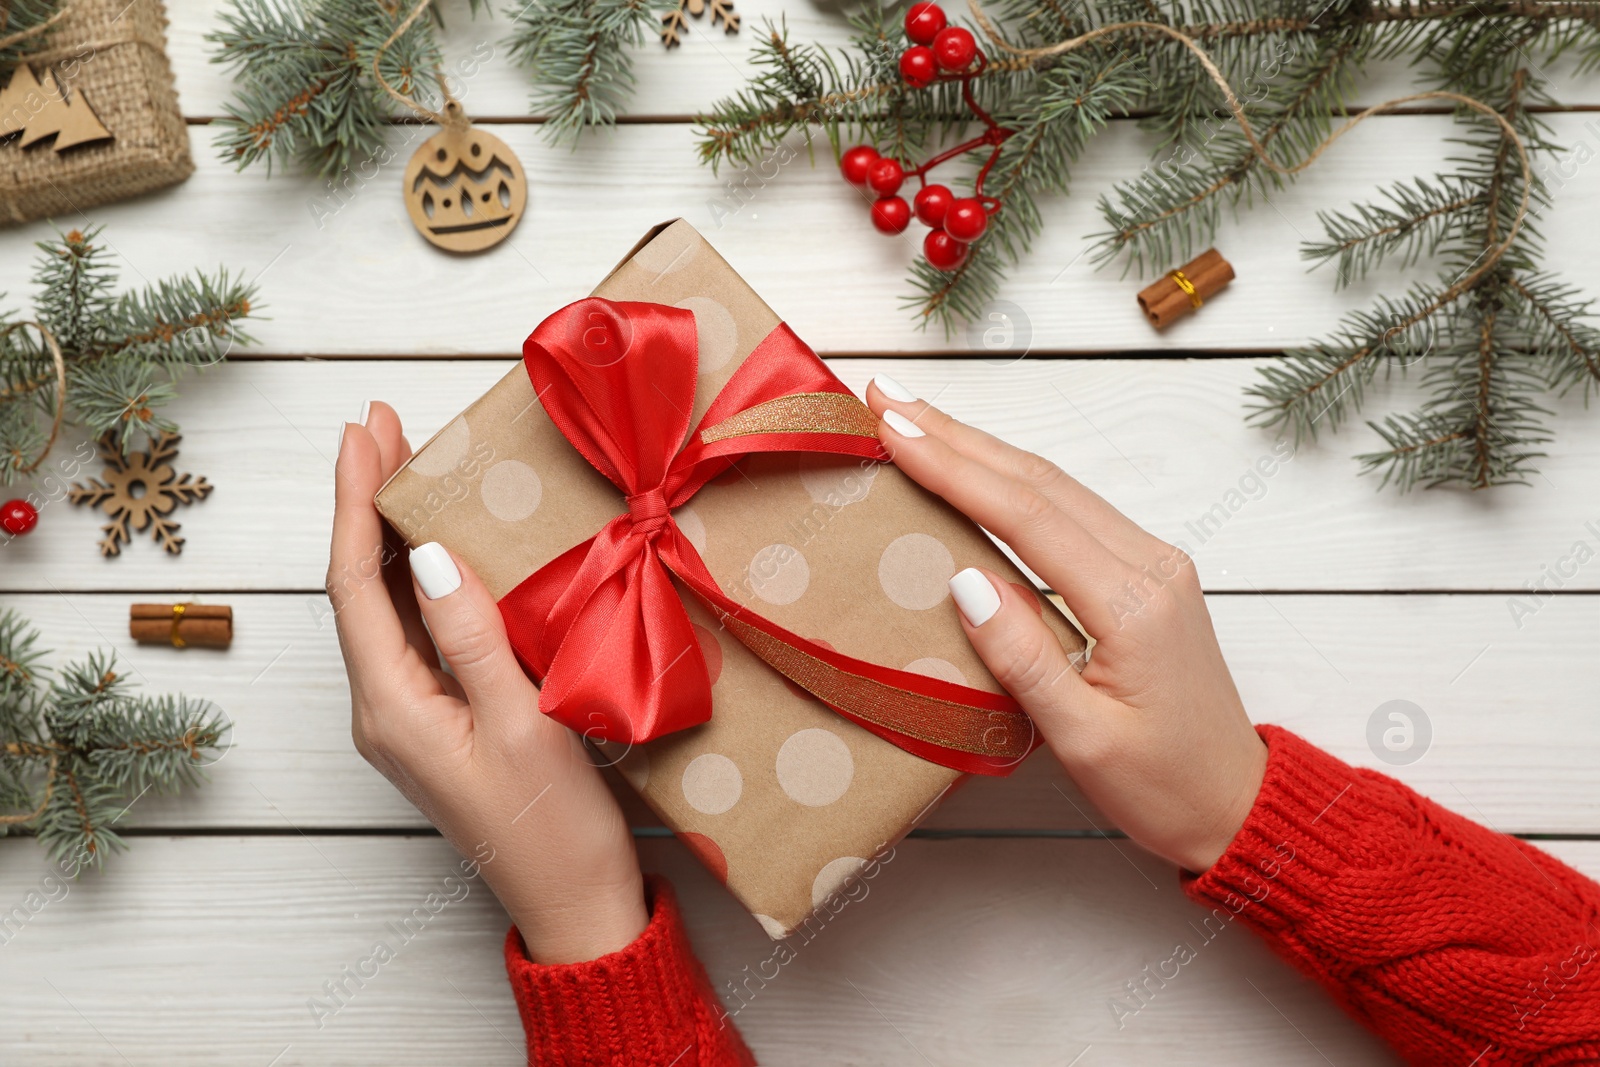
[[508, 786]]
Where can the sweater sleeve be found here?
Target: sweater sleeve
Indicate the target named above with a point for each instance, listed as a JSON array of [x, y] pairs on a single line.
[[647, 1005], [1452, 942]]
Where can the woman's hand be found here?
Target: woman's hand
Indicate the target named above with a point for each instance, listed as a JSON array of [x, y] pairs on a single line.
[[1153, 730], [503, 783]]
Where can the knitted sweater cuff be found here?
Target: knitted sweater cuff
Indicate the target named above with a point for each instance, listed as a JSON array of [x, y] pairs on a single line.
[[1455, 943], [646, 1005], [1311, 822]]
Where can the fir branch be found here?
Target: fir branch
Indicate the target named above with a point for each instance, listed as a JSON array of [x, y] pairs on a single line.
[[122, 351], [20, 17], [1077, 98], [1552, 315], [1415, 222], [77, 749], [1486, 338], [306, 91], [578, 52]]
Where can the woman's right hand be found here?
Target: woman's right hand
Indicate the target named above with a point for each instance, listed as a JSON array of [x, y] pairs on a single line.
[[1153, 730]]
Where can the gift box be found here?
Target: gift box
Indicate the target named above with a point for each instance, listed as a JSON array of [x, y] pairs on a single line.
[[787, 799], [88, 112]]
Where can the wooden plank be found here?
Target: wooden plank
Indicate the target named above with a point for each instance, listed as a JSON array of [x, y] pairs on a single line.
[[207, 950], [342, 272], [1163, 440], [1511, 714], [686, 81]]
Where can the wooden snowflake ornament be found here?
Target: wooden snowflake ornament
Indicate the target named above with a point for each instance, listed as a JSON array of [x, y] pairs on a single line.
[[674, 25], [139, 491]]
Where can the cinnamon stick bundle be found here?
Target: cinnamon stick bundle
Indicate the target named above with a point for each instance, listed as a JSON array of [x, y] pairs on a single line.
[[181, 625], [1179, 292]]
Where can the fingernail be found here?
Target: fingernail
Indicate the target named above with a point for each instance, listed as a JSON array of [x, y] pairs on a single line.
[[436, 572], [901, 425], [366, 408], [340, 447], [893, 389], [975, 595]]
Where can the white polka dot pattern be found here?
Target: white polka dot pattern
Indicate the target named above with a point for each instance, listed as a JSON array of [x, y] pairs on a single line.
[[934, 667], [693, 527], [672, 250], [779, 574], [712, 783], [832, 878], [915, 571], [772, 926], [837, 485], [445, 451], [717, 332], [815, 767], [511, 490]]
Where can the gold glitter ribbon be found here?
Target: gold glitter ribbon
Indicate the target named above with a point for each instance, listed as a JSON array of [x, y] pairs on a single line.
[[798, 413], [177, 617], [1001, 735], [1186, 285]]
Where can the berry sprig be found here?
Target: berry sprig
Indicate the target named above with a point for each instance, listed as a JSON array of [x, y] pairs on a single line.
[[939, 53]]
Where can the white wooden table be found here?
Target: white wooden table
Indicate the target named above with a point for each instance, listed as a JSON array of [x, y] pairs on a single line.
[[1005, 931]]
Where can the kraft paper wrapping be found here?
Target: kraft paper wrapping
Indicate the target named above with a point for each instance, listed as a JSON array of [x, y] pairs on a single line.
[[781, 798]]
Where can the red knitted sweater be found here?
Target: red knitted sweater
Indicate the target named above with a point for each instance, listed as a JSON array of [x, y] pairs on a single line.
[[1456, 944]]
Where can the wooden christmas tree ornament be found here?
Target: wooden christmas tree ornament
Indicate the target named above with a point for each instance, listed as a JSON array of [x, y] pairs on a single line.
[[88, 110], [138, 491], [38, 110], [464, 188]]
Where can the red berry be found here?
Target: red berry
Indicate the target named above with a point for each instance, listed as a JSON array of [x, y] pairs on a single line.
[[954, 48], [923, 22], [891, 215], [943, 251], [17, 517], [917, 66], [885, 176], [966, 220], [856, 162], [932, 201]]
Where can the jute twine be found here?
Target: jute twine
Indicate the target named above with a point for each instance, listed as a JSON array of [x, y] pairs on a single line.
[[7, 393], [454, 116], [44, 802], [35, 31], [121, 69], [1461, 284]]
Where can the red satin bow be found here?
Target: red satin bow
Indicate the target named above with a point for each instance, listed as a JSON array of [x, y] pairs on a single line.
[[603, 625]]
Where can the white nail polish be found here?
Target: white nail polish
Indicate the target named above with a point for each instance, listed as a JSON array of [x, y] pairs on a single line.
[[340, 446], [901, 425], [436, 572], [366, 409], [975, 595], [893, 389]]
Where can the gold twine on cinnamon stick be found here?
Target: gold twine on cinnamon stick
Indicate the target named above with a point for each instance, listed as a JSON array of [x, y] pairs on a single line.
[[1182, 291], [185, 625], [1486, 263]]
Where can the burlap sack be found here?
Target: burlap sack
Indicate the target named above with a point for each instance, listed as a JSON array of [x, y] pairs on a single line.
[[112, 54]]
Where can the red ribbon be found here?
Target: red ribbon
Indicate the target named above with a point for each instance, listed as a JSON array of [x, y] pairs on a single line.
[[602, 624]]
